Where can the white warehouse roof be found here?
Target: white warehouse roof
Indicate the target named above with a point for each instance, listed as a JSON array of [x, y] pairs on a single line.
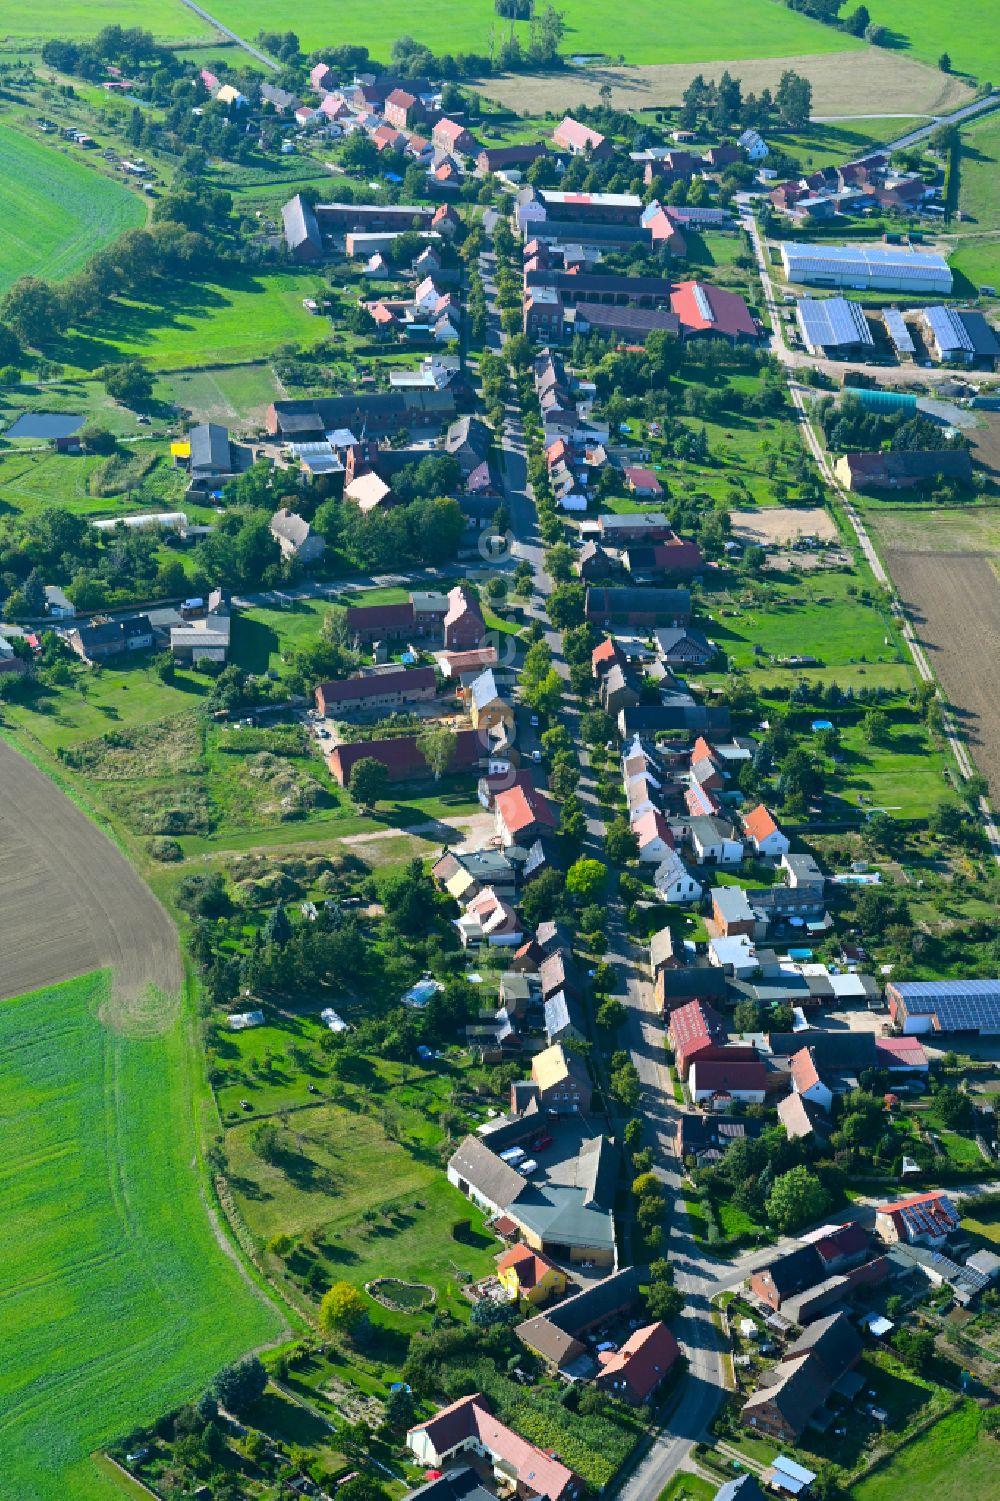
[[862, 266]]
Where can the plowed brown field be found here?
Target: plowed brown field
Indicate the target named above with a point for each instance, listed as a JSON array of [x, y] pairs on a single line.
[[71, 903], [953, 600]]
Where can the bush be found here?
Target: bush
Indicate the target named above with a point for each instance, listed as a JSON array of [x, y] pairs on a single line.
[[163, 848]]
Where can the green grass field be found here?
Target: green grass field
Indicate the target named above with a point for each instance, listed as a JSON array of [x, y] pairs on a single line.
[[201, 324], [967, 30], [168, 19], [979, 194], [54, 210], [238, 395], [113, 1282], [646, 32], [953, 1461], [384, 1209]]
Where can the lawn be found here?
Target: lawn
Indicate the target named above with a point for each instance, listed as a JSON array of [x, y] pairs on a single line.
[[968, 32], [688, 1487], [985, 1221], [647, 32], [113, 1281], [169, 19], [237, 397], [54, 210], [382, 1207], [243, 318], [824, 144], [953, 1461], [818, 615]]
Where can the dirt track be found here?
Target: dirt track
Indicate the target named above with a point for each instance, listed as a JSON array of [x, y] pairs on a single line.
[[844, 83], [953, 600], [71, 903]]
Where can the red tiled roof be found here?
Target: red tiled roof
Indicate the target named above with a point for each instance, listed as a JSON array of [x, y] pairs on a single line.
[[520, 807], [401, 756], [606, 652], [730, 314], [759, 824], [722, 1076], [804, 1072], [530, 1267], [538, 1473], [378, 617], [701, 750], [694, 1021], [576, 137], [643, 1360], [903, 1052], [642, 479], [652, 825], [349, 689]]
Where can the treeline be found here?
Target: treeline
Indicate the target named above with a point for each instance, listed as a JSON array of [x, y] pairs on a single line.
[[857, 22], [186, 240], [722, 106], [848, 424]]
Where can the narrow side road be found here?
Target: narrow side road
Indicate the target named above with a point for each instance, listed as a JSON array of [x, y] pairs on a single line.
[[233, 36]]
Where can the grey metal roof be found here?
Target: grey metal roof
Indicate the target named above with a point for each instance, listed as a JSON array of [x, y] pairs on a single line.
[[833, 322], [301, 225], [950, 335], [981, 334], [898, 331], [484, 689], [485, 1172], [209, 447]]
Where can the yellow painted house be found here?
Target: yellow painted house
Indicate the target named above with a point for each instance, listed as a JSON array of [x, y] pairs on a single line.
[[524, 1274]]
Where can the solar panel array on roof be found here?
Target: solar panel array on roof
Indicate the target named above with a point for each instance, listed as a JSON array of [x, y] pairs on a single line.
[[957, 1005], [898, 331], [948, 332], [704, 306], [833, 323], [860, 266]]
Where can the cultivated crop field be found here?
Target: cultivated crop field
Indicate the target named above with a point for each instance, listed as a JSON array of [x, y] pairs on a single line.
[[936, 529], [168, 19], [113, 1282], [845, 83], [70, 903], [54, 210], [645, 31], [954, 602]]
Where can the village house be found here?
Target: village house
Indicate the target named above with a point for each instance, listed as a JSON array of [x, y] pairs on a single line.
[[634, 1372], [719, 1082], [561, 1082], [674, 882], [295, 537], [103, 639], [925, 1219], [837, 1251], [558, 1336], [464, 627], [467, 1427], [764, 834], [580, 140], [376, 690], [523, 814], [527, 1276]]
